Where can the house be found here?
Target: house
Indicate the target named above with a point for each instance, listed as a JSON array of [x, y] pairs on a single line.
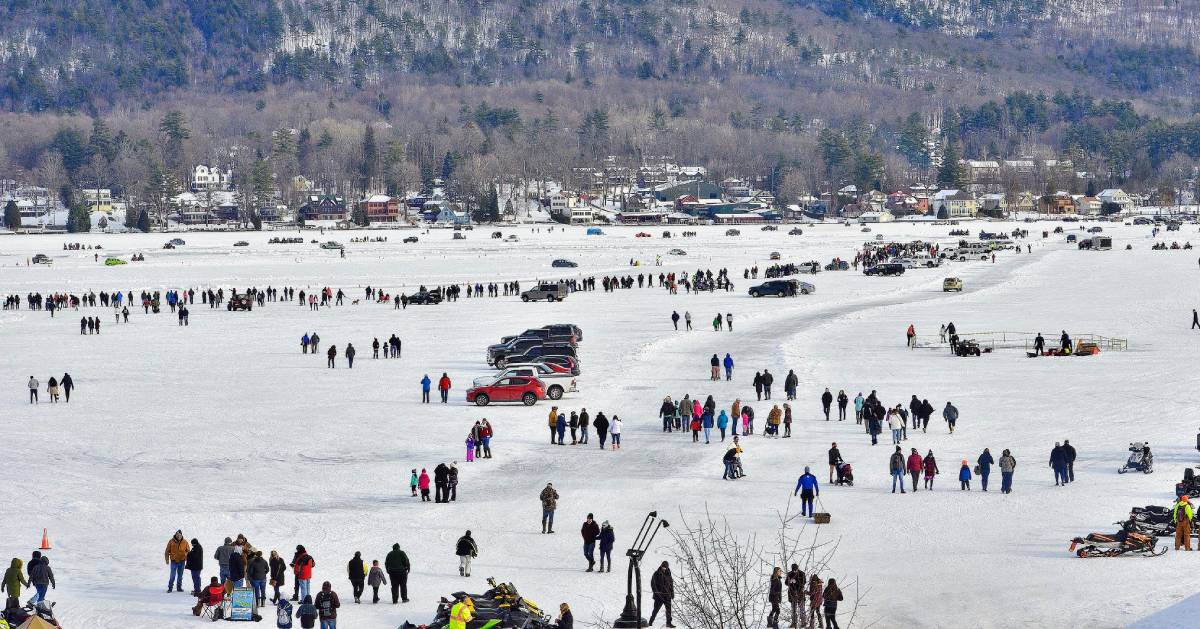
[[97, 199], [323, 207], [993, 205], [381, 208], [582, 214], [982, 175], [1058, 203], [210, 178], [1118, 196], [876, 217], [698, 189], [1087, 205], [956, 203]]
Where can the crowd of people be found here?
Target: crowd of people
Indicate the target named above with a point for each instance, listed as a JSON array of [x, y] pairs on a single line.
[[578, 424]]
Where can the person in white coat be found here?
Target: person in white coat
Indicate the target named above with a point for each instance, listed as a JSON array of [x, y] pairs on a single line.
[[615, 430]]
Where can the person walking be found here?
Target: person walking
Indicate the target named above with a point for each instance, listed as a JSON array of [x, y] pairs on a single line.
[[790, 382], [985, 463], [601, 426], [425, 383], [41, 577], [14, 578], [423, 483], [675, 319], [615, 431], [794, 582], [1069, 459], [176, 557], [466, 549], [1182, 514], [396, 563], [835, 459], [441, 483], [687, 319], [896, 467], [590, 532], [758, 385], [768, 380], [910, 337], [444, 386], [1195, 319], [1008, 464], [915, 466], [278, 576], [728, 363], [715, 364], [816, 598], [931, 470], [826, 402], [33, 390], [950, 414], [964, 476], [1058, 463], [549, 498], [327, 604], [842, 401], [896, 425], [858, 408], [302, 567], [356, 571], [350, 352], [807, 487], [331, 356], [67, 386], [662, 586], [375, 579]]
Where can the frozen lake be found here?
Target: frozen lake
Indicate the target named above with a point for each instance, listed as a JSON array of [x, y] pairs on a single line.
[[224, 427]]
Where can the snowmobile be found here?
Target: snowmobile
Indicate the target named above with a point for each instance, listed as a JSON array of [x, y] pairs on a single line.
[[845, 475], [1190, 485], [501, 607], [1140, 459], [1154, 520], [1122, 542]]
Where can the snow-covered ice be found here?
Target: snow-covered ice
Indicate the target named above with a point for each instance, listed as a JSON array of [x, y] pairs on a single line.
[[224, 427]]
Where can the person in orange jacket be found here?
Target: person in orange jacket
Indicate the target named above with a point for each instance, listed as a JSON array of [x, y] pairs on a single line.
[[444, 386], [175, 556]]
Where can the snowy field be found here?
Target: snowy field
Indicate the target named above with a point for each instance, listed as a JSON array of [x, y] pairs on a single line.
[[224, 427]]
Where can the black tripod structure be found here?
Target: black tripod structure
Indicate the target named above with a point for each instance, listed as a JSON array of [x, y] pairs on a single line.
[[631, 616]]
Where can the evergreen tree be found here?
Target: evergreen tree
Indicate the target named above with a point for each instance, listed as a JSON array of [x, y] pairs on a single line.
[[913, 139], [368, 167], [174, 131], [79, 220], [950, 175], [12, 216], [304, 150], [143, 221]]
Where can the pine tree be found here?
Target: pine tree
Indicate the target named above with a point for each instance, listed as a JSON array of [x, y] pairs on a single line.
[[370, 159], [143, 221], [950, 175], [12, 216], [174, 131], [79, 220]]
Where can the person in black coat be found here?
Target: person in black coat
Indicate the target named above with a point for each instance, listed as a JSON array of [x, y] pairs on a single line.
[[565, 619], [758, 385], [278, 574], [194, 563], [775, 597], [357, 572], [835, 459], [826, 402], [441, 483], [237, 567], [68, 384], [843, 400], [663, 588], [1069, 458]]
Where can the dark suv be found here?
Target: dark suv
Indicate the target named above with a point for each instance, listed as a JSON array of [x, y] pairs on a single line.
[[533, 353], [775, 288], [885, 269]]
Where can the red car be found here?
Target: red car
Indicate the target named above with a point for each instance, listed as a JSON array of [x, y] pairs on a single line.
[[641, 235], [511, 389]]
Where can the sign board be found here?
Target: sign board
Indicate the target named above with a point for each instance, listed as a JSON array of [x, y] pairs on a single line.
[[241, 604]]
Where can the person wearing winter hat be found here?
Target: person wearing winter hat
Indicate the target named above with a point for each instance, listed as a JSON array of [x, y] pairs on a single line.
[[964, 476], [807, 487]]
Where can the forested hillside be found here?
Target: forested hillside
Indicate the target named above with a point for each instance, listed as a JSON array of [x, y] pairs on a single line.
[[742, 84]]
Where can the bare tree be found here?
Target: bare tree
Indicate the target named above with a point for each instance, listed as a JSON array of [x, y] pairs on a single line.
[[722, 576]]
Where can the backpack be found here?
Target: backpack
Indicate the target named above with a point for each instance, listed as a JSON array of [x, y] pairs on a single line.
[[283, 614]]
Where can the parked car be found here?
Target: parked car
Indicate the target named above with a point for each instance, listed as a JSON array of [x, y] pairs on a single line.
[[570, 363], [546, 373], [733, 232], [178, 242], [677, 252], [522, 389], [775, 255], [885, 269], [533, 353], [459, 236], [840, 265], [241, 243], [512, 238], [331, 244], [547, 291], [563, 264], [168, 246], [239, 302], [796, 231], [952, 284], [769, 228], [782, 288], [497, 235], [425, 298], [1095, 230], [907, 263], [41, 258], [411, 239], [812, 267], [641, 235]]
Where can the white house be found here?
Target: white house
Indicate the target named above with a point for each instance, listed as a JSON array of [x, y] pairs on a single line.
[[958, 203], [876, 217], [210, 178], [1118, 196]]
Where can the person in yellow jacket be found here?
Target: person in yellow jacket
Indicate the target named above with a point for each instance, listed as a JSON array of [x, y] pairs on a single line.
[[462, 613], [14, 578], [1182, 515], [553, 422], [176, 556]]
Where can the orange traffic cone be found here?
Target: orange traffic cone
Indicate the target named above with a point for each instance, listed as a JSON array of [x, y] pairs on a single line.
[[45, 540]]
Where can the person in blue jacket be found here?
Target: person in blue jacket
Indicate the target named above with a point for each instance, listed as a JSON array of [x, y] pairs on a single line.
[[728, 367], [707, 422], [985, 463], [807, 487], [964, 476], [722, 423], [425, 383], [560, 426], [304, 344]]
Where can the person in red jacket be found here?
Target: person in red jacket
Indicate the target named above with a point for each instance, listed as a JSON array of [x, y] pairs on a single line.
[[302, 565], [444, 386], [915, 465]]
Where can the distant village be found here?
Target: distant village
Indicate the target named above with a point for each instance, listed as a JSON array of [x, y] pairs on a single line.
[[659, 193]]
